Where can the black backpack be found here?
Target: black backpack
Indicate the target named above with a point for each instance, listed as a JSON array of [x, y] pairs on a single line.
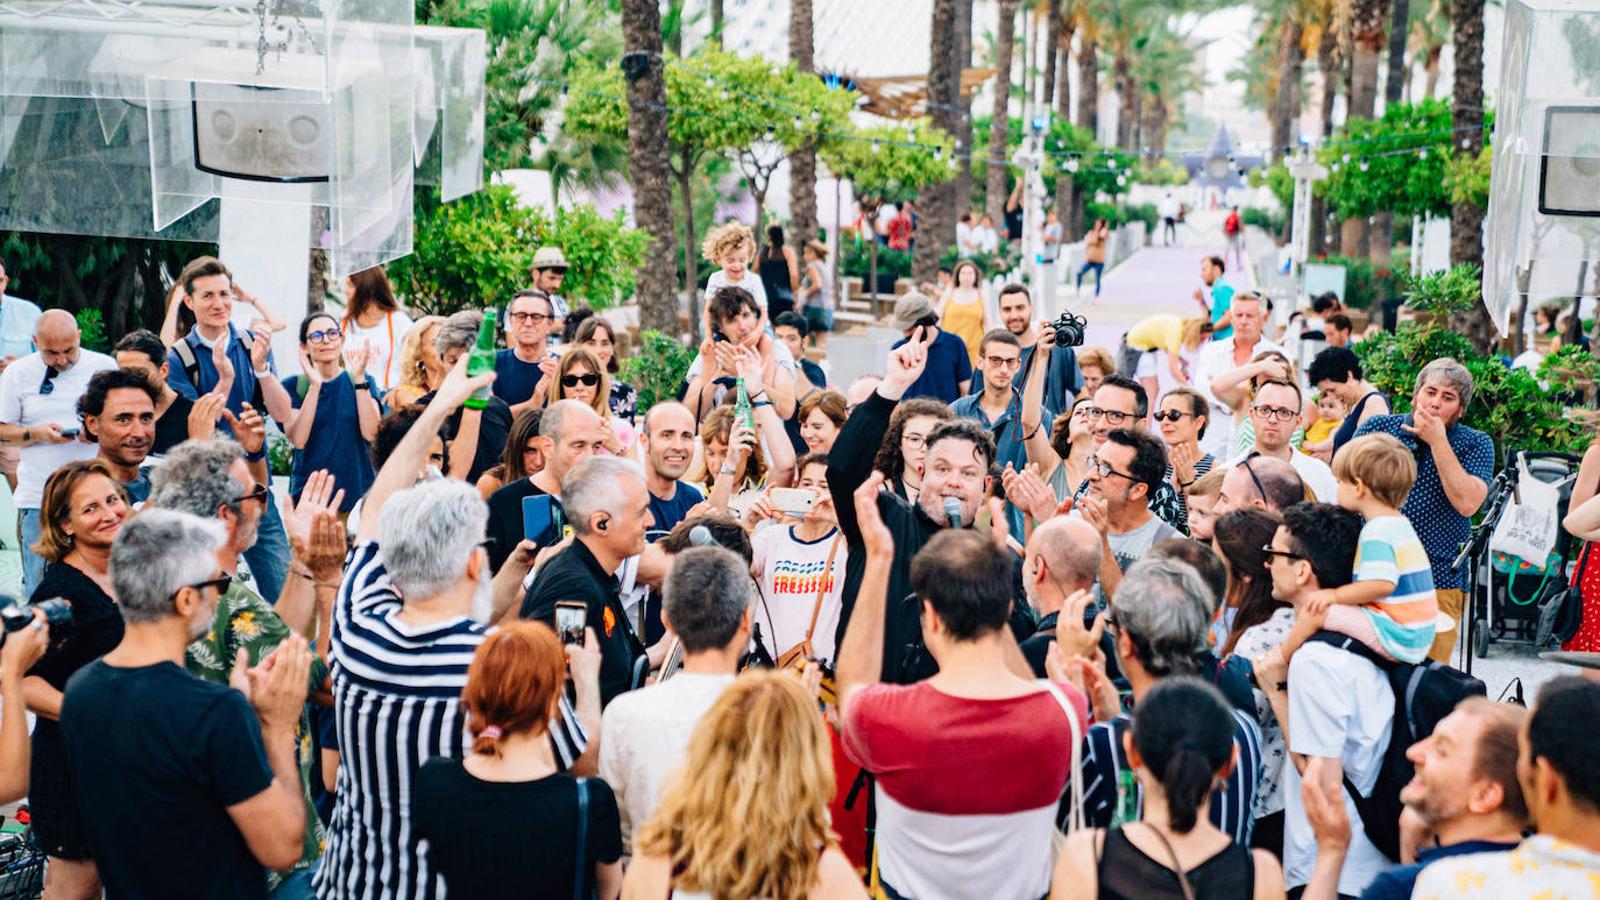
[[1423, 695]]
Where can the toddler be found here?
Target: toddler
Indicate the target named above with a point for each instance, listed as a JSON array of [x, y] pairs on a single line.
[[1319, 434], [732, 247], [1390, 606]]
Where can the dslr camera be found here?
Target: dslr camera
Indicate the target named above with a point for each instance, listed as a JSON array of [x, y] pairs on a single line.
[[1069, 329], [16, 615]]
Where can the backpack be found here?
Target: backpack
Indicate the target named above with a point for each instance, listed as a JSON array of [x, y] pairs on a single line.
[[1230, 225], [1423, 695], [191, 365]]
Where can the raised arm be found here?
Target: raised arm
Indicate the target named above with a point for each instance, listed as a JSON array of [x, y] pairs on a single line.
[[407, 459], [1037, 442], [368, 412], [1231, 387], [273, 396], [273, 321], [169, 324], [297, 428], [861, 654], [769, 426], [850, 460]]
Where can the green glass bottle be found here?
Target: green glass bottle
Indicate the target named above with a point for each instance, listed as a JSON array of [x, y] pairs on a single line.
[[741, 408], [1127, 809], [481, 361]]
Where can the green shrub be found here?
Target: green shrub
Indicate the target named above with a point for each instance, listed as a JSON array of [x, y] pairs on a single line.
[[657, 369], [1456, 289], [92, 327], [1365, 287], [1270, 222]]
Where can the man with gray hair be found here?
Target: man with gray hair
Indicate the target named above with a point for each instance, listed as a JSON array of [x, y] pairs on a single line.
[[1158, 621], [1454, 467], [491, 424], [608, 507], [569, 433], [407, 620], [1060, 563], [210, 764], [709, 595], [210, 479]]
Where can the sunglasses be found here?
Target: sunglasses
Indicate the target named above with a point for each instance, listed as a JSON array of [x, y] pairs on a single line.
[[48, 386], [1272, 551], [221, 583], [259, 492], [571, 381], [326, 336], [1171, 415], [1255, 481]]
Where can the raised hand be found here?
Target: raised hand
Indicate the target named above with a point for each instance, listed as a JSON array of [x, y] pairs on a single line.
[[309, 370], [1428, 427], [1182, 460], [747, 365], [319, 495], [224, 367], [204, 414], [906, 363], [262, 345], [457, 387], [875, 535], [1094, 512], [1028, 492], [249, 429], [277, 686], [1076, 641], [741, 440], [356, 360]]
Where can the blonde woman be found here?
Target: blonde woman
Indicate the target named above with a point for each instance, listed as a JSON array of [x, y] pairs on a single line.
[[420, 368], [581, 377], [748, 816]]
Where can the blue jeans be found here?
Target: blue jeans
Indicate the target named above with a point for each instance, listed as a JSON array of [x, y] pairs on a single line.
[[269, 558], [32, 563], [1099, 269], [297, 886]]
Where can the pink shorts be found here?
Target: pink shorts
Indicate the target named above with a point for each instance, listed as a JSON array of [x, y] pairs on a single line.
[[1352, 621]]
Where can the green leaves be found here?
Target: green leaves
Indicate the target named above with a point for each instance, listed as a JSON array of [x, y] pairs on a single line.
[[1456, 289], [657, 368], [893, 160], [1397, 164], [476, 252]]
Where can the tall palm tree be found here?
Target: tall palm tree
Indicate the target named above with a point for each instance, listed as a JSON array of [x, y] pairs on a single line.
[[1087, 22], [1466, 115], [1368, 19], [802, 162], [1051, 49], [1062, 38], [1399, 72], [1165, 71], [1000, 119], [1429, 35], [648, 167], [961, 186], [938, 226]]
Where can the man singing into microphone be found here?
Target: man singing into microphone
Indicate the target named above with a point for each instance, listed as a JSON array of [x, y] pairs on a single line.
[[955, 481]]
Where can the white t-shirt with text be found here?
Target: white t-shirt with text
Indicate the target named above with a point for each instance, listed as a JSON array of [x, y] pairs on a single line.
[[790, 572]]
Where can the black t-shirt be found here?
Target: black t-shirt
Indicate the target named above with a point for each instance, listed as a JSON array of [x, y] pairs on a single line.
[[511, 839], [574, 574], [493, 429], [514, 379], [172, 428], [157, 756], [669, 513], [505, 520]]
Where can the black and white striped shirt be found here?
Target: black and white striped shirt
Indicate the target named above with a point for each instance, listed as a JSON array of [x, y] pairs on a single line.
[[1232, 808], [397, 704]]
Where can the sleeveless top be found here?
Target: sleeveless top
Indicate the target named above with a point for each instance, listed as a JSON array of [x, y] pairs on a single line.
[[775, 276], [965, 321], [1125, 872], [1347, 430]]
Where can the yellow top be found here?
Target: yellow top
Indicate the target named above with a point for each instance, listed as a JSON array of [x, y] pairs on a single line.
[[1322, 429], [1163, 332], [965, 321]]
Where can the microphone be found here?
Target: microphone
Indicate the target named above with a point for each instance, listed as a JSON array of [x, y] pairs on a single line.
[[700, 536], [952, 511]]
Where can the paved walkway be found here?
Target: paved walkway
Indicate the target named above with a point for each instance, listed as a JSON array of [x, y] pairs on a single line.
[[1154, 280]]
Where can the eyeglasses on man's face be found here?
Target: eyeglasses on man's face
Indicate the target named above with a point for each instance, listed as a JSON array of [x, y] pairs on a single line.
[[1106, 470], [1002, 362], [1276, 413], [259, 492], [520, 317], [1273, 553], [1112, 417], [221, 583]]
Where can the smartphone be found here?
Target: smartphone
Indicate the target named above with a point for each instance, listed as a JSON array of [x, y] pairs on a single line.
[[795, 502], [540, 519], [718, 337], [571, 616], [69, 432]]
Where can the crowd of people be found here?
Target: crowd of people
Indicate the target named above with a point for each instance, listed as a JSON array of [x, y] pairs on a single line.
[[1011, 618]]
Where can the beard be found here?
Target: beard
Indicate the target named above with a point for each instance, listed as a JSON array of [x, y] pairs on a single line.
[[481, 609], [1432, 807], [200, 625]]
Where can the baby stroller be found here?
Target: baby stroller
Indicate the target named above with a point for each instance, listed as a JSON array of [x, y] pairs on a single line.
[[21, 861], [1512, 590]]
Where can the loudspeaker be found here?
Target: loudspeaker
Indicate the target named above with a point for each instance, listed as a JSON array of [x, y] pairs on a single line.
[[261, 133], [1569, 170]]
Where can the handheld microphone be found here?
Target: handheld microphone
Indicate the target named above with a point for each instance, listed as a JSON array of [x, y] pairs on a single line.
[[952, 511], [700, 536]]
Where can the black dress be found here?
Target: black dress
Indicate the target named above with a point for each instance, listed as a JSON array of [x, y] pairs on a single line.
[[775, 281], [1127, 873], [96, 629]]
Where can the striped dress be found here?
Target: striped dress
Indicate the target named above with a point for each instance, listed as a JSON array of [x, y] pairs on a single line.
[[1389, 550], [397, 704]]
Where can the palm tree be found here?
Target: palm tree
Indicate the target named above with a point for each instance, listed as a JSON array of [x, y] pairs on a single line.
[[938, 226], [1051, 50], [961, 187], [802, 162], [1368, 19], [1466, 219], [1062, 37], [1087, 22], [1429, 34], [1166, 72], [1000, 120], [1399, 25], [648, 166]]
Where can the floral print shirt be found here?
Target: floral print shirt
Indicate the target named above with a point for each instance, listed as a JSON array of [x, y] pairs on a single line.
[[1253, 643], [247, 622]]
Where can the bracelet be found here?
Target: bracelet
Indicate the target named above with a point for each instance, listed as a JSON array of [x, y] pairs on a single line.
[[264, 373], [1184, 484], [726, 470], [760, 403]]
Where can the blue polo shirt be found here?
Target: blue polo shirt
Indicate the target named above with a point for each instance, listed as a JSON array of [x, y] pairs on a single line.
[[1396, 884], [948, 365], [1010, 448], [335, 442], [1441, 528], [1221, 302], [245, 389]]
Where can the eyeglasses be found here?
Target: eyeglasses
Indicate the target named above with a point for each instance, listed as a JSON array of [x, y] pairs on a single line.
[[1111, 416], [326, 336], [1272, 551], [1002, 362], [259, 492], [221, 583], [913, 441], [1171, 415], [1275, 413], [49, 383], [531, 318], [571, 381], [1105, 469]]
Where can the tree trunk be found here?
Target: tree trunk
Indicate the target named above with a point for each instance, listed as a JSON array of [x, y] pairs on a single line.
[[1000, 121], [1328, 67], [1127, 98], [1050, 47], [1466, 219], [1286, 102], [938, 224], [1089, 88], [1367, 24], [1151, 124], [961, 186], [716, 22], [1399, 72], [803, 162], [648, 168], [1432, 69], [1062, 41], [691, 252]]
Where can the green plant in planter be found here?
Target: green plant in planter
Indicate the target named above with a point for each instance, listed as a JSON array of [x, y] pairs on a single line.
[[1456, 289], [658, 368]]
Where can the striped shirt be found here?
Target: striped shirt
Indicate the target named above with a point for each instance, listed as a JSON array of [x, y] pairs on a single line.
[[1389, 550], [397, 704], [1232, 808]]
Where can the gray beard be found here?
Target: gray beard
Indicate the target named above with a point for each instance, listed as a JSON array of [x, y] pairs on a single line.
[[482, 607]]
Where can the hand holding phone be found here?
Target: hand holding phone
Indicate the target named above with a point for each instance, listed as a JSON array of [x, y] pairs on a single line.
[[571, 616]]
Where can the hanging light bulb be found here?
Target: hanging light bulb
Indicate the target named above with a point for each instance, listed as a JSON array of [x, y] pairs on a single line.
[[769, 133], [1066, 166], [1423, 154], [1122, 180], [1335, 167], [1363, 165], [798, 124], [1072, 164], [1347, 157], [1111, 164], [816, 116], [874, 146], [938, 153], [724, 93]]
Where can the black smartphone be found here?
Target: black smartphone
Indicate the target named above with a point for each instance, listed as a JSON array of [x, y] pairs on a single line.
[[718, 337], [571, 616]]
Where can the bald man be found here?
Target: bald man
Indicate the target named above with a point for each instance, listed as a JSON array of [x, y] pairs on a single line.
[[668, 445], [39, 414], [1062, 558], [1260, 482]]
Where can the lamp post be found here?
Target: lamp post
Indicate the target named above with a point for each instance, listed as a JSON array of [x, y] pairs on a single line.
[[1306, 171]]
